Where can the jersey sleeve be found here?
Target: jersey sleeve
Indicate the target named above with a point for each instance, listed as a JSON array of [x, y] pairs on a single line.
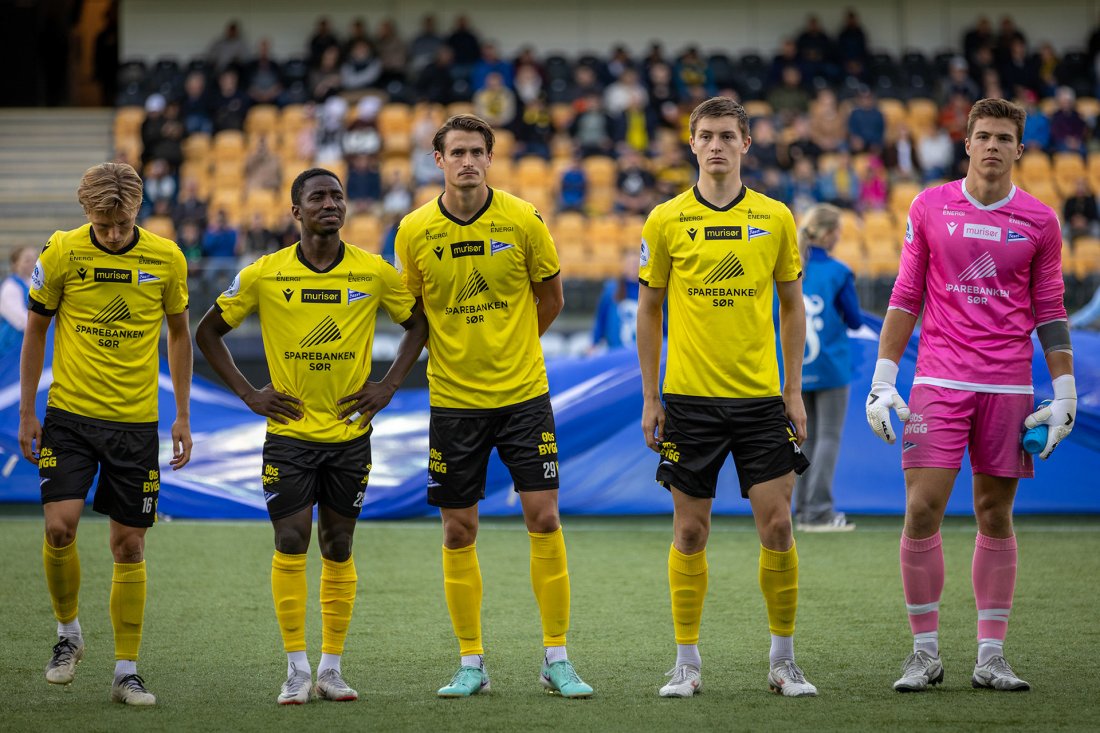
[[1047, 286], [542, 255], [908, 293], [396, 298], [788, 263], [654, 262], [243, 295], [410, 274], [48, 279], [175, 292]]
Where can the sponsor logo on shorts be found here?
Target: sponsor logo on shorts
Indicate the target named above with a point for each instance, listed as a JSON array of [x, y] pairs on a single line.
[[670, 452], [314, 295], [467, 249], [722, 232], [270, 476], [47, 459], [112, 275], [728, 267], [436, 464], [982, 231], [907, 446], [269, 495]]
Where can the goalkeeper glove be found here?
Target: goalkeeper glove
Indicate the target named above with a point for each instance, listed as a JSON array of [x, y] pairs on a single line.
[[884, 395], [1058, 416]]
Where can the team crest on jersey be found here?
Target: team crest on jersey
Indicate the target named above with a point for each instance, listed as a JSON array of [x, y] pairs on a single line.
[[644, 257], [38, 277], [438, 253], [354, 295], [692, 231], [755, 232], [287, 293], [495, 246], [1015, 237], [146, 277]]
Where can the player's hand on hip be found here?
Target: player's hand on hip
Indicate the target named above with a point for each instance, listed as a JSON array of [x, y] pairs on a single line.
[[282, 408], [181, 443], [796, 413], [363, 405], [884, 396], [653, 423], [1058, 416], [30, 437]]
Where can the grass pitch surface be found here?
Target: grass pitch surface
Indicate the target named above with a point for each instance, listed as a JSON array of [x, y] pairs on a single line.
[[213, 656]]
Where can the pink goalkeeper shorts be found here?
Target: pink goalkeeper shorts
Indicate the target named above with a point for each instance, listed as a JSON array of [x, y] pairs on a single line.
[[944, 422]]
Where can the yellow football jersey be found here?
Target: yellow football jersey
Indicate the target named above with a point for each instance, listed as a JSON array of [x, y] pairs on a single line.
[[109, 307], [318, 329], [475, 281], [718, 266]]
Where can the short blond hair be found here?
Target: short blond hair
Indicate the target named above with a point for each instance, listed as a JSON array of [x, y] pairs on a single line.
[[816, 223], [109, 187]]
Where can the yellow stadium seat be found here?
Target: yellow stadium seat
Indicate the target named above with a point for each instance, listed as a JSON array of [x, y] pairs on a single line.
[[263, 119], [162, 226], [229, 144], [1045, 192], [531, 170], [499, 174], [460, 108], [604, 234], [196, 146], [880, 233], [426, 193], [399, 165], [364, 231], [895, 113], [1034, 167], [504, 144], [562, 115], [902, 194], [293, 118], [128, 120], [1069, 168], [1088, 107], [758, 108], [923, 116], [1086, 257], [600, 171]]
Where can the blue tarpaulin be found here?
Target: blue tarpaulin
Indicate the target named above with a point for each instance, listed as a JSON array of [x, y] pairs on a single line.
[[605, 467]]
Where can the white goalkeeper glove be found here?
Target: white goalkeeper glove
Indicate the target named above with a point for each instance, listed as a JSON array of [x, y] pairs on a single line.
[[884, 395], [1058, 416]]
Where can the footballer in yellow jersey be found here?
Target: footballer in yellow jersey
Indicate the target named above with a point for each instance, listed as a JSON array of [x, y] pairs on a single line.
[[483, 265], [717, 251], [318, 302], [110, 286]]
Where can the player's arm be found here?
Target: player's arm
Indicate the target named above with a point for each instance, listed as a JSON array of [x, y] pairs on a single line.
[[180, 365], [650, 333], [374, 396], [30, 373], [210, 336], [549, 300], [792, 337]]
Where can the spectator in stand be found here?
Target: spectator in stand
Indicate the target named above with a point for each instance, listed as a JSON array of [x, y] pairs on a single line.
[[357, 31], [534, 129], [662, 92], [288, 231], [619, 62], [952, 119], [672, 171], [189, 206], [828, 125], [1037, 126], [593, 129], [397, 200], [362, 69], [790, 99], [634, 184], [159, 190], [263, 170], [585, 84], [325, 79], [866, 125], [255, 241], [957, 81], [983, 61], [230, 104], [466, 47], [617, 311], [637, 124], [978, 37], [851, 43], [797, 144], [14, 291], [623, 91], [330, 130], [189, 239], [436, 80], [787, 56], [195, 105], [424, 170], [1020, 71], [837, 182], [1008, 35], [265, 78], [775, 184], [219, 248], [490, 63], [692, 71], [1047, 63], [322, 39], [762, 154], [151, 126], [494, 102], [815, 50], [362, 136], [803, 186], [392, 52], [166, 133], [936, 153], [422, 48], [900, 156], [1068, 132], [1080, 214], [573, 187], [875, 189], [991, 85], [364, 184], [655, 54], [529, 83], [229, 51]]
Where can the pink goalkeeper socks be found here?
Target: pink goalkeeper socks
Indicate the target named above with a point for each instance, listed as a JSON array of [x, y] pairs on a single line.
[[994, 576], [922, 581]]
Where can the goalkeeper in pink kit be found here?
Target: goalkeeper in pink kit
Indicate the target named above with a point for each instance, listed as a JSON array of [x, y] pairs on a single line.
[[983, 259]]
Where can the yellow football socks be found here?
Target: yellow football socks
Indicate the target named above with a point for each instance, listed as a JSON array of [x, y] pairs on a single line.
[[128, 607], [550, 581], [779, 583], [462, 587], [288, 589], [338, 587], [687, 583], [62, 579]]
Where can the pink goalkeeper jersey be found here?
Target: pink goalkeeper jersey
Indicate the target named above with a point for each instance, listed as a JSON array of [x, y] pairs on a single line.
[[987, 276]]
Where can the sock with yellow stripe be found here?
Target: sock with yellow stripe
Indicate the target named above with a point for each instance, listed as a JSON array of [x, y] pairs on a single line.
[[338, 587], [128, 608], [288, 590], [550, 581], [687, 583], [62, 565], [462, 587], [779, 583]]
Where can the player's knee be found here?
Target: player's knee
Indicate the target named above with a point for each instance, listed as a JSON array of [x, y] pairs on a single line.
[[543, 521], [337, 547], [60, 533], [457, 534], [291, 541], [691, 537], [775, 532], [128, 548]]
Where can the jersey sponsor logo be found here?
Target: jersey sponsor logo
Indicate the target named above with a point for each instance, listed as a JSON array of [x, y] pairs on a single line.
[[687, 218], [952, 226], [354, 278], [112, 275], [692, 231], [38, 277], [754, 232], [494, 229], [146, 277], [316, 295], [467, 249], [234, 287], [429, 236], [728, 267], [983, 266], [116, 310], [1015, 237], [537, 215], [982, 231], [643, 258], [948, 211], [438, 253], [758, 217], [143, 260], [722, 232], [323, 333], [74, 257], [1013, 219], [354, 295], [281, 278], [288, 293], [82, 272], [475, 285], [495, 246]]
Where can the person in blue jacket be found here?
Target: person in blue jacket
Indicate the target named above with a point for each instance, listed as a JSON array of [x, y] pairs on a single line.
[[832, 307], [13, 299], [618, 307]]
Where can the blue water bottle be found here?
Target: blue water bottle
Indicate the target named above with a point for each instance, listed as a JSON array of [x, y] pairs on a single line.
[[1035, 439]]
